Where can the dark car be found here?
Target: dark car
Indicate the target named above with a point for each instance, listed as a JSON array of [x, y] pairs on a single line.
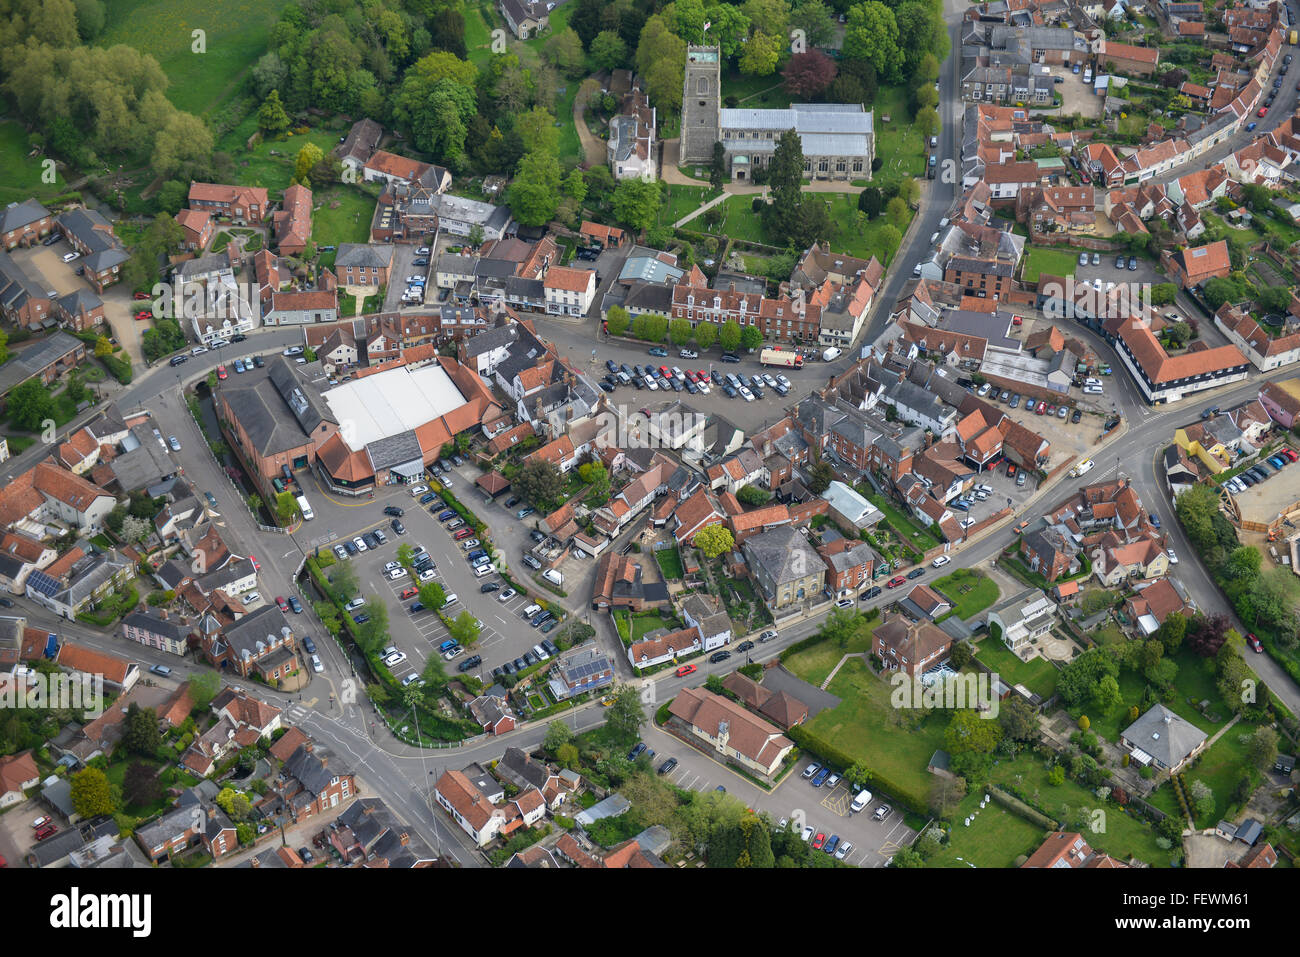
[[490, 586], [306, 855], [744, 646], [730, 357], [361, 618], [259, 361], [446, 515], [636, 751], [370, 540], [718, 656], [611, 365], [310, 645], [1076, 415], [520, 664], [916, 572], [550, 647], [606, 385], [417, 606], [537, 535], [871, 593], [426, 498], [350, 547], [295, 605], [470, 663], [393, 510], [512, 501], [1119, 262], [398, 527], [177, 360], [508, 668], [716, 376], [667, 765], [1132, 264], [6, 603]]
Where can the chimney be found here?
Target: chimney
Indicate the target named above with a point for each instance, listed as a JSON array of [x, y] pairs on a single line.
[[162, 613]]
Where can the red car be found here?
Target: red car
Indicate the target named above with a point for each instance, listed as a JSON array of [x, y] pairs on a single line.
[[46, 830], [1085, 177], [281, 603], [253, 560], [1263, 111], [1290, 455], [221, 372], [463, 534], [144, 314], [139, 296], [896, 581], [819, 841], [1255, 646], [410, 592], [1042, 409], [685, 670]]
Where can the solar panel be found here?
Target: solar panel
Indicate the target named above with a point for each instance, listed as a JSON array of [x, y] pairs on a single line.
[[43, 583]]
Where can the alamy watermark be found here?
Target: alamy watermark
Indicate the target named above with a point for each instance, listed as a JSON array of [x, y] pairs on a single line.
[[950, 692], [58, 692]]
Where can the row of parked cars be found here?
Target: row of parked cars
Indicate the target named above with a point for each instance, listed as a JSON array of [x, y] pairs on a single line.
[[693, 381], [1260, 471]]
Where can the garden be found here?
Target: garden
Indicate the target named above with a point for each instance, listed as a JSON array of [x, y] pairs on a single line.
[[969, 591], [1038, 675]]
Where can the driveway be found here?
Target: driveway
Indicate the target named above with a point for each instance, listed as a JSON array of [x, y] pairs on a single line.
[[1077, 96]]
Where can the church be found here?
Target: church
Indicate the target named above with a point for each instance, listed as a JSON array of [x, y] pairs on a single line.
[[838, 138]]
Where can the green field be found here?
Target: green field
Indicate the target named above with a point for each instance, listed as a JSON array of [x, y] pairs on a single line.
[[1220, 768], [815, 663], [1039, 675], [968, 591], [670, 563], [867, 727], [904, 525], [1120, 836], [740, 222], [236, 36], [1043, 259], [994, 839], [22, 174], [899, 145], [342, 216]]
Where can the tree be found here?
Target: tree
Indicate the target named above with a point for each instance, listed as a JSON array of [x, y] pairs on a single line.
[[636, 202], [1173, 630], [890, 239], [286, 508], [680, 331], [617, 320], [1019, 720], [308, 158], [30, 405], [136, 529], [234, 803], [753, 496], [539, 482], [871, 201], [820, 476], [946, 792], [575, 186], [432, 595], [1202, 799], [465, 629], [927, 122], [969, 732], [1207, 634], [1261, 747], [1083, 723], [272, 118], [816, 20], [808, 74], [141, 785], [140, 734], [728, 336], [1106, 695], [661, 60], [872, 35], [705, 334], [563, 50], [1163, 293], [92, 794], [751, 337], [1222, 289], [557, 735], [534, 196], [1079, 679], [625, 716], [896, 212], [608, 50], [344, 580], [714, 540], [567, 756]]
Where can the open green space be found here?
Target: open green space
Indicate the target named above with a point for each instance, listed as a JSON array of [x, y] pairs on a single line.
[[995, 838], [969, 592], [866, 726], [1221, 767], [1195, 683], [342, 215], [1038, 675], [1122, 835], [1045, 259], [670, 563], [903, 524], [815, 663], [899, 144], [22, 178], [235, 35]]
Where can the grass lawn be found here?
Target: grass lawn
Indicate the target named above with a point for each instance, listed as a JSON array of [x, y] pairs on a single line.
[[969, 591], [1039, 676], [236, 31], [815, 663], [23, 175], [679, 201], [1122, 836], [342, 215], [898, 143], [994, 839], [1044, 259], [767, 92], [1194, 681], [904, 525], [867, 727], [270, 163], [1220, 768], [20, 443], [670, 563], [642, 625], [740, 222]]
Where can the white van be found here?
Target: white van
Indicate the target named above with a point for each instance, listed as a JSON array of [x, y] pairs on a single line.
[[552, 576], [831, 354], [530, 611], [450, 600], [934, 239], [1082, 468], [861, 801], [305, 508], [540, 652]]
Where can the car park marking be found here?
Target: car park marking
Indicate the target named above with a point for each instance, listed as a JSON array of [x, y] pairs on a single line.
[[837, 801]]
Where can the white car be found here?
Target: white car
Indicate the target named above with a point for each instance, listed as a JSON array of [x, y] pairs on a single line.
[[396, 658], [1173, 558], [768, 380], [411, 679], [69, 257], [746, 394], [1092, 390], [807, 834], [453, 653], [354, 603], [360, 543], [292, 351], [341, 553], [469, 544], [687, 354], [507, 595], [316, 666], [249, 598], [650, 383], [940, 561], [844, 850], [783, 380], [446, 480], [967, 522], [389, 566], [396, 573], [415, 280], [419, 489], [427, 574]]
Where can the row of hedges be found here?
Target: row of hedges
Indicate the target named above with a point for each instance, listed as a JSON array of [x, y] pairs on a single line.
[[1019, 807], [830, 754]]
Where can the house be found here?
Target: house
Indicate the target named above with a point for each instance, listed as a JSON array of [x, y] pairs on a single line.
[[729, 729], [309, 785], [102, 253], [24, 224], [923, 603], [1065, 849], [242, 205], [291, 224], [360, 144], [850, 510], [363, 264], [1267, 353], [1114, 563], [787, 568], [176, 830], [706, 614], [261, 642], [912, 647], [631, 146], [580, 670], [18, 774], [1022, 620], [470, 808], [1161, 377], [779, 707], [1125, 58], [77, 580], [197, 226], [1050, 551], [1197, 265], [461, 217], [1163, 740], [299, 307], [522, 770], [1153, 603], [492, 713], [370, 835], [158, 631], [569, 292], [525, 18], [669, 647], [850, 564]]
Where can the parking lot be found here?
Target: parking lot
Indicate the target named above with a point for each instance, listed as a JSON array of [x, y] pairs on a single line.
[[403, 267], [1076, 96], [795, 800]]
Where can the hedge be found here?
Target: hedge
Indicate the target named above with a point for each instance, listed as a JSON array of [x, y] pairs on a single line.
[[1017, 806], [829, 753], [120, 369]]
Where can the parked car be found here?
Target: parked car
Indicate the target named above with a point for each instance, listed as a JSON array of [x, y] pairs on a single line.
[[870, 593], [820, 777], [667, 766], [896, 581], [719, 656], [811, 770], [916, 572], [685, 670]]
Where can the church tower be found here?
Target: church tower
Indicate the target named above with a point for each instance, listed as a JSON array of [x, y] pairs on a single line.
[[701, 104]]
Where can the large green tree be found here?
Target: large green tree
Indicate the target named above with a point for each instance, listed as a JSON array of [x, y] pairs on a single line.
[[872, 35]]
